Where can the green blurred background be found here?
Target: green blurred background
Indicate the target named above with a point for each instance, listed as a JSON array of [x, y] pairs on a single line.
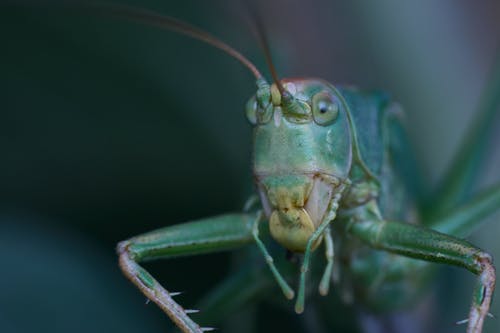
[[110, 129]]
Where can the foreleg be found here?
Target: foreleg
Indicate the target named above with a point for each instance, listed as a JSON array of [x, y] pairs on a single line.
[[208, 235], [418, 242]]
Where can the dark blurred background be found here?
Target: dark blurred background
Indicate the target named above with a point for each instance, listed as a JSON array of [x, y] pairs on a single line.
[[110, 129]]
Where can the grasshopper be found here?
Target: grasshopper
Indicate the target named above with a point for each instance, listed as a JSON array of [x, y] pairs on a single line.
[[329, 178], [325, 165]]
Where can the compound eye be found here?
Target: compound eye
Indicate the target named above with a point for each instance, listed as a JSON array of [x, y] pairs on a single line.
[[251, 111], [325, 108]]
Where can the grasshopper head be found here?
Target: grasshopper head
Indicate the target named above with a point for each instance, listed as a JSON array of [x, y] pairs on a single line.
[[302, 156]]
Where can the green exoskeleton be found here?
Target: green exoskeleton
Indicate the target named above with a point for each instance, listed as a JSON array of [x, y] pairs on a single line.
[[325, 169]]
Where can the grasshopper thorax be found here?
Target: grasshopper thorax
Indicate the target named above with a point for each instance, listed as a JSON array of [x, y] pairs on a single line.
[[302, 155]]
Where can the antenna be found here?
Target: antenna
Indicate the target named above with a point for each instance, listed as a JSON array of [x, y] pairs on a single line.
[[262, 36], [289, 103], [147, 17]]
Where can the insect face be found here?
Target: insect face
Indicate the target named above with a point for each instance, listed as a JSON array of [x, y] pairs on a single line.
[[302, 154]]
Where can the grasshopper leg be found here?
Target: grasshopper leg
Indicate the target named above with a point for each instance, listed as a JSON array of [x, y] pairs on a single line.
[[421, 243], [208, 235], [155, 292]]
